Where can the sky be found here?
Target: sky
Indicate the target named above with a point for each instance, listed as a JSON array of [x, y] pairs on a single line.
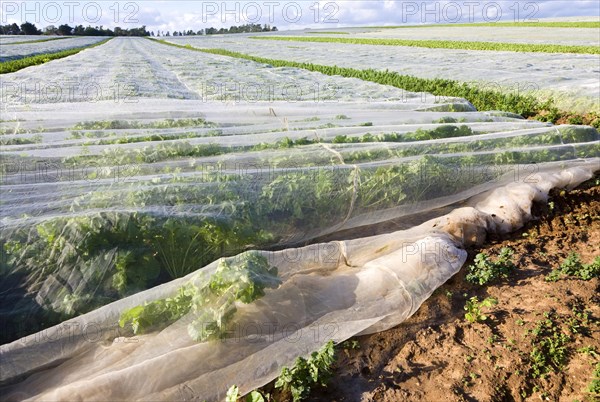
[[285, 15]]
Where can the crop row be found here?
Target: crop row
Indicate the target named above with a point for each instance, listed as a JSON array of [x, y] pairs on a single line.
[[165, 147], [409, 144], [180, 226], [169, 225], [524, 105], [15, 65], [121, 252], [32, 41], [444, 44], [539, 24]]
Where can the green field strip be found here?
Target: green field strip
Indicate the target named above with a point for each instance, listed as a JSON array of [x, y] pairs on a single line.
[[483, 99], [531, 24], [444, 44], [33, 41], [15, 65], [329, 33]]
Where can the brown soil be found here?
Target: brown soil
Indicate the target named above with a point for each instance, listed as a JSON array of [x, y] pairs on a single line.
[[437, 355]]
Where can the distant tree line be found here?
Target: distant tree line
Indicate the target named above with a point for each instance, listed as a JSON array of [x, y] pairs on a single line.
[[248, 28], [28, 28]]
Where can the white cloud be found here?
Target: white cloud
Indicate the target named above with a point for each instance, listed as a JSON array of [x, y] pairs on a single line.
[[195, 15]]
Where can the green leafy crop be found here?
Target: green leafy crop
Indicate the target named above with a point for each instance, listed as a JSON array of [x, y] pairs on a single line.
[[127, 124], [28, 42], [521, 24], [485, 271], [473, 308], [159, 313], [481, 98], [443, 44], [594, 386], [11, 66], [238, 279], [307, 372], [233, 394], [572, 266], [550, 346]]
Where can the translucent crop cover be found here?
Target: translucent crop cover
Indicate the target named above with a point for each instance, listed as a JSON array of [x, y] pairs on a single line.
[[167, 249]]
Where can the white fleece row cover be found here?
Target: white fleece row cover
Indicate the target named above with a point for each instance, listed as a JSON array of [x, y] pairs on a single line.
[[169, 249]]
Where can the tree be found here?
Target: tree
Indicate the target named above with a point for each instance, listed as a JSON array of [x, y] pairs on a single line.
[[27, 28], [50, 30], [10, 29], [79, 30], [65, 30], [89, 31]]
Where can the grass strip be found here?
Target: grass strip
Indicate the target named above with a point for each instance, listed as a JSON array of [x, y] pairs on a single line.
[[26, 42], [444, 44], [329, 33], [547, 24], [483, 99], [15, 65]]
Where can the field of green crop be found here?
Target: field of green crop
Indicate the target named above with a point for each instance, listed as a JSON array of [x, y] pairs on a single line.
[[10, 66], [525, 105], [520, 24], [17, 42], [572, 90], [19, 50], [431, 44]]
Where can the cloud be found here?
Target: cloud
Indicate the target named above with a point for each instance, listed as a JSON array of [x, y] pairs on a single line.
[[195, 15], [553, 9]]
